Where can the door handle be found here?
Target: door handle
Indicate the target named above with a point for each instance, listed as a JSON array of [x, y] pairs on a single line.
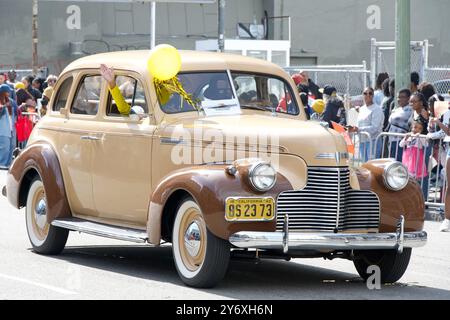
[[92, 138]]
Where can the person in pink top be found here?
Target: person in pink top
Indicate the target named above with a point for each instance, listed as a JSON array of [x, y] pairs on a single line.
[[414, 153]]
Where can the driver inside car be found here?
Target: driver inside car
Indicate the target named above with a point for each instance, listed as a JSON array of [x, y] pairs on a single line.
[[219, 89]]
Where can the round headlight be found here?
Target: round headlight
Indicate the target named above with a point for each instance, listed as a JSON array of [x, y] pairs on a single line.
[[396, 176], [262, 176]]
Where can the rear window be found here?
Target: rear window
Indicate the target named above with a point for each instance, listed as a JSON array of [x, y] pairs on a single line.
[[63, 94]]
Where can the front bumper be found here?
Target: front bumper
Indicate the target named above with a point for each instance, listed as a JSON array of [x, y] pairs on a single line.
[[330, 241]]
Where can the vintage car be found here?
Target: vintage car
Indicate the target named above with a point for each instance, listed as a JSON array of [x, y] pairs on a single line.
[[239, 173]]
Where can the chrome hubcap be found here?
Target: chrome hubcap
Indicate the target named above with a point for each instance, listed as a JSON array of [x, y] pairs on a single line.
[[40, 212], [192, 239]]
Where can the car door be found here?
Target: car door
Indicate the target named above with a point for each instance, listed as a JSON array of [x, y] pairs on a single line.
[[121, 167], [76, 143]]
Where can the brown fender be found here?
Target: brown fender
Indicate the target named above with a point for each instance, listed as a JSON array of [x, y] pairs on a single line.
[[408, 202], [210, 186], [42, 159]]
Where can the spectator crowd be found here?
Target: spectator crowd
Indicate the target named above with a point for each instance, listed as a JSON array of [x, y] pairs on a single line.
[[22, 104]]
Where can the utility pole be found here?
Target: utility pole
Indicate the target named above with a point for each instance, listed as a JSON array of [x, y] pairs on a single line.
[[403, 44], [221, 9], [34, 33], [153, 24]]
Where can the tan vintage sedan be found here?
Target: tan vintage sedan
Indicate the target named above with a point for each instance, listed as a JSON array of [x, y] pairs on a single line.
[[240, 173]]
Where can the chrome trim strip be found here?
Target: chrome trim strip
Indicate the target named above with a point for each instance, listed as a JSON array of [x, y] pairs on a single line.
[[102, 230], [171, 141], [333, 156], [401, 234], [286, 234], [327, 241], [338, 206]]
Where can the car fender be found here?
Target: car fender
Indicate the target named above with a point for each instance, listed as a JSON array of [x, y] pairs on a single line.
[[408, 202], [210, 186], [41, 158]]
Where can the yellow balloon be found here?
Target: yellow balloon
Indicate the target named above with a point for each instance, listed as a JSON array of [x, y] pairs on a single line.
[[318, 106], [19, 85], [164, 62]]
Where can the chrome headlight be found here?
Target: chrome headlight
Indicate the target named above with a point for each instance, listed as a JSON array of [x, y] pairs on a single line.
[[262, 176], [396, 176]]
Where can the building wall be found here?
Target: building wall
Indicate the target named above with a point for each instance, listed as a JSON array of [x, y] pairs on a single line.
[[339, 32], [109, 27]]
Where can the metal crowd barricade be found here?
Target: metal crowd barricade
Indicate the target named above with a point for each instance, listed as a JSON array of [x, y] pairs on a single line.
[[426, 165], [363, 152]]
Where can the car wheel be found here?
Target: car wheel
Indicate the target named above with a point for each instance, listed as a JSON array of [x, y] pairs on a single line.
[[200, 257], [391, 263], [45, 238]]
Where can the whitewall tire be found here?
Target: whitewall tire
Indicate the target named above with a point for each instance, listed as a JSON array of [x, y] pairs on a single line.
[[45, 238], [200, 257]]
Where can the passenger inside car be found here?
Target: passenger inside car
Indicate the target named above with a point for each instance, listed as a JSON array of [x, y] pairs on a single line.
[[108, 74]]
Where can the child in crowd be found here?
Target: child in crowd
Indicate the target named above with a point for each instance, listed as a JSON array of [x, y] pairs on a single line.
[[414, 153]]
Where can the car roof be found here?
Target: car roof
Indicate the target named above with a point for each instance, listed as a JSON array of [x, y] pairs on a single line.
[[191, 61]]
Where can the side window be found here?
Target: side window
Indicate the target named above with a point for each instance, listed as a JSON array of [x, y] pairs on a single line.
[[133, 93], [63, 94], [87, 98]]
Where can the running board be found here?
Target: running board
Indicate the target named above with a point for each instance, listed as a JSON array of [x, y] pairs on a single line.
[[102, 230]]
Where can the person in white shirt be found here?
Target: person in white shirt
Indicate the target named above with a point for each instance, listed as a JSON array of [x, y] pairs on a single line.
[[370, 120]]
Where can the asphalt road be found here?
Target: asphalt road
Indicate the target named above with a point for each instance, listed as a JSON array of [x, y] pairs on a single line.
[[97, 268]]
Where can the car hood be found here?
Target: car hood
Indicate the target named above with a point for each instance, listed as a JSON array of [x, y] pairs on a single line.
[[256, 134]]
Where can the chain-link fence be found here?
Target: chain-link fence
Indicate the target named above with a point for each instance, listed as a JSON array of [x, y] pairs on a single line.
[[383, 58], [348, 80], [440, 78]]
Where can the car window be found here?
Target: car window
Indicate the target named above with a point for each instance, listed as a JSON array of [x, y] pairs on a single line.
[[133, 93], [87, 98], [265, 91], [204, 86], [63, 94]]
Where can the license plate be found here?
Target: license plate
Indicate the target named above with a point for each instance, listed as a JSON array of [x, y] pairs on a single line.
[[250, 209]]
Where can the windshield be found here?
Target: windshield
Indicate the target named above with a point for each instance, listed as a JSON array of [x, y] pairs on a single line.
[[206, 88], [213, 90], [264, 91]]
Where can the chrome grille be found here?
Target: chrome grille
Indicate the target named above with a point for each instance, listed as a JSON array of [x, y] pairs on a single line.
[[315, 208]]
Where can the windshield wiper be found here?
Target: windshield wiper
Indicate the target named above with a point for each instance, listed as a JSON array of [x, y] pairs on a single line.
[[256, 107], [222, 105]]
